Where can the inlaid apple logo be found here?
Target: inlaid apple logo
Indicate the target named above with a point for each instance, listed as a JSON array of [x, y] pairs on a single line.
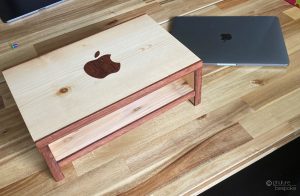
[[101, 67], [226, 37]]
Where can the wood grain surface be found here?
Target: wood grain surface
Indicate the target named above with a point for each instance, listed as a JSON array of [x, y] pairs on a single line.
[[245, 114], [47, 88], [186, 73], [114, 121], [62, 25]]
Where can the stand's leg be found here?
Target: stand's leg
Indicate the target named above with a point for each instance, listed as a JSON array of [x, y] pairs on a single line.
[[52, 163], [197, 84]]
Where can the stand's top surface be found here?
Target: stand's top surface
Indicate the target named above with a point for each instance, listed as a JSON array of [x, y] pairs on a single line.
[[53, 90]]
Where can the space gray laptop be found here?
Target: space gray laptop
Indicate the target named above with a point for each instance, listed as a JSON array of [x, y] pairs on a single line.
[[233, 40]]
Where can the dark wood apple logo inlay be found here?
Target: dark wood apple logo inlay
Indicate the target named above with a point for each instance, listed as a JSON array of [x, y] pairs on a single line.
[[102, 66]]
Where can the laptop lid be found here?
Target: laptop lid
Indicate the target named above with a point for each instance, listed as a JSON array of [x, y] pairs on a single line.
[[233, 40], [11, 10]]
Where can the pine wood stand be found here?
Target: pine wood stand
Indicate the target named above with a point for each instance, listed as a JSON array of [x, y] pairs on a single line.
[[76, 99]]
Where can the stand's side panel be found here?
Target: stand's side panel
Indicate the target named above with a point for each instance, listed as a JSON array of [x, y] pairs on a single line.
[[52, 164], [198, 85]]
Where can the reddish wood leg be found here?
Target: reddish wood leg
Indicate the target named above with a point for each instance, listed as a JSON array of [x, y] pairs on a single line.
[[197, 84], [52, 163]]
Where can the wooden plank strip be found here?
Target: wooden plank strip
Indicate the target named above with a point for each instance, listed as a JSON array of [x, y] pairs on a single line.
[[219, 178], [211, 73], [1, 103], [8, 100], [88, 30], [12, 129], [110, 123], [246, 8], [37, 182], [293, 13], [293, 41], [230, 4], [70, 15], [222, 142], [172, 8], [22, 166], [9, 117], [15, 147], [261, 7], [14, 57], [115, 169], [3, 88], [271, 116], [293, 66], [268, 93], [1, 78], [223, 166], [235, 84], [295, 122], [54, 17]]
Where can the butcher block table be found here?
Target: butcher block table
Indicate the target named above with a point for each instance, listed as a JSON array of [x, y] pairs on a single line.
[[81, 96], [245, 113]]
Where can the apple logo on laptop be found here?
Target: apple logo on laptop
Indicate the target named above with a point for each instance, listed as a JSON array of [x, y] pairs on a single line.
[[101, 67], [226, 36]]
